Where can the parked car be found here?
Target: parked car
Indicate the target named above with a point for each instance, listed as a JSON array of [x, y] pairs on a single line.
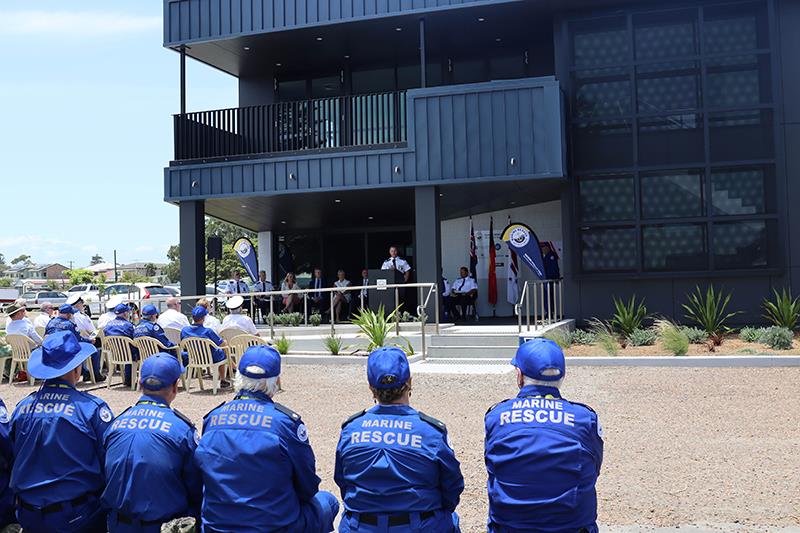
[[174, 290], [136, 291], [90, 294], [34, 299]]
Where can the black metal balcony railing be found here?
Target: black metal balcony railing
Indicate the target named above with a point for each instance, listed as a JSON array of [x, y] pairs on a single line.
[[337, 122]]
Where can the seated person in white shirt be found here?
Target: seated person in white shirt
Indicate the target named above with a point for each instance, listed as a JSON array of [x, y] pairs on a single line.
[[464, 292], [262, 285], [341, 299], [46, 312], [19, 325], [211, 322], [236, 320], [109, 315], [396, 263], [83, 323], [172, 317]]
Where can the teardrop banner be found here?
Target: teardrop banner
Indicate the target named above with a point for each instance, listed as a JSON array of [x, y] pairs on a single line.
[[523, 241], [247, 256]]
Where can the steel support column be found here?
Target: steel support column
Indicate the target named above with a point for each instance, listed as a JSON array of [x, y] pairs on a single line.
[[428, 237], [193, 250]]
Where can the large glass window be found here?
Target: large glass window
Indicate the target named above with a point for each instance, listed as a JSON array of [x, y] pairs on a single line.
[[677, 104]]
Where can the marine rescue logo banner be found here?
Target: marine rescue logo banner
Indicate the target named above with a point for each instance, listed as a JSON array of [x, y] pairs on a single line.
[[247, 256], [523, 241]]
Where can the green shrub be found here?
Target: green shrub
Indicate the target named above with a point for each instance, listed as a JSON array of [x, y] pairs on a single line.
[[709, 312], [643, 337], [628, 316], [695, 335], [783, 311], [374, 326], [778, 338], [334, 344], [294, 319], [559, 336], [282, 345], [604, 336], [750, 334], [672, 337], [315, 319], [582, 336]]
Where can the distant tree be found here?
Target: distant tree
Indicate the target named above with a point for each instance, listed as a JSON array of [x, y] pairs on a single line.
[[2, 260], [52, 284], [25, 259], [100, 281], [79, 276], [96, 259], [173, 269], [5, 282], [149, 270], [230, 233], [132, 277]]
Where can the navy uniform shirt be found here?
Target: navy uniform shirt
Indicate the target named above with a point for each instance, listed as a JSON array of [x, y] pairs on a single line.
[[58, 323], [198, 330], [392, 458], [149, 446], [145, 328], [57, 434], [257, 465], [120, 327], [6, 460], [543, 456]]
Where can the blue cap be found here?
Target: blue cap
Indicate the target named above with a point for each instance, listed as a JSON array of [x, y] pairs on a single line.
[[121, 308], [60, 352], [540, 359], [199, 312], [259, 362], [159, 371], [149, 310], [387, 368], [66, 309]]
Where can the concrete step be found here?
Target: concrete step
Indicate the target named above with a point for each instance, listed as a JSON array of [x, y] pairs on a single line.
[[342, 329], [471, 352], [504, 340]]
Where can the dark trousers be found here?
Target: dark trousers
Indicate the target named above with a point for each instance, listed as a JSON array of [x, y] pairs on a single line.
[[86, 517], [462, 302]]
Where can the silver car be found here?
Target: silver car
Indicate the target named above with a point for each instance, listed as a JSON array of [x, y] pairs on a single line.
[[34, 299]]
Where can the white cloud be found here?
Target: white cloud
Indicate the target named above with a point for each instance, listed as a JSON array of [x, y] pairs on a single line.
[[77, 24]]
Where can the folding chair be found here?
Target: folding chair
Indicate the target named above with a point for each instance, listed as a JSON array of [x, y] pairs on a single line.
[[240, 343], [21, 347], [148, 346], [120, 353], [173, 334], [199, 351]]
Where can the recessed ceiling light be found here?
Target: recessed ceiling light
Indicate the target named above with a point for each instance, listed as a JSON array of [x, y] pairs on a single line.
[[441, 194], [370, 218], [338, 201], [481, 19], [246, 48], [498, 39], [319, 38], [513, 203], [347, 57], [283, 222], [278, 65], [243, 206], [398, 29]]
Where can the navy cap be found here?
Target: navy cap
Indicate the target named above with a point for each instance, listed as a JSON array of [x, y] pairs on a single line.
[[540, 359], [66, 309], [199, 312], [259, 362], [387, 368], [159, 371], [149, 310], [121, 308], [60, 352]]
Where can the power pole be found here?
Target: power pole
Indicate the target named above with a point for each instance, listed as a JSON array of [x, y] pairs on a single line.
[[115, 266]]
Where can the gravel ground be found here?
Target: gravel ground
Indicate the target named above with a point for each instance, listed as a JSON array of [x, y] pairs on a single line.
[[683, 446]]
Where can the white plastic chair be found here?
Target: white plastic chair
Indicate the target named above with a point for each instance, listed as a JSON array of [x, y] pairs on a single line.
[[173, 334], [21, 347], [240, 343], [120, 353], [199, 351], [148, 347]]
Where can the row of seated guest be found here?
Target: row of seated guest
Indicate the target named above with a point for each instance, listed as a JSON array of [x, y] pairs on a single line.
[[319, 301]]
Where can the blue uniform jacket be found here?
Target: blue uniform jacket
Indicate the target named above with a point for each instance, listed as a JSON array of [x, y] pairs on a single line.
[[198, 330], [394, 459], [257, 464], [57, 433], [543, 456], [121, 328], [58, 323], [149, 446], [6, 460], [145, 328]]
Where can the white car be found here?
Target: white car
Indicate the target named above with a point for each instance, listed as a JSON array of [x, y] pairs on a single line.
[[90, 294]]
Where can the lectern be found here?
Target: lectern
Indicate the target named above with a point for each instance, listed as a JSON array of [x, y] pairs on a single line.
[[384, 297]]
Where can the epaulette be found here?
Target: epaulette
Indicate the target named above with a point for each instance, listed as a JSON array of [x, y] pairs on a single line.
[[214, 409], [185, 418], [438, 424], [489, 410], [288, 412], [353, 417]]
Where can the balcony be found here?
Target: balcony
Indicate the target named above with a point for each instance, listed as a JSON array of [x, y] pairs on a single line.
[[300, 126], [500, 130]]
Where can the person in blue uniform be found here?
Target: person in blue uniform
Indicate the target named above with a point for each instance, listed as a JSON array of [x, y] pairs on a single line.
[[122, 327], [148, 446], [259, 471], [62, 321], [57, 434], [197, 329], [543, 453], [149, 327], [6, 460], [394, 465]]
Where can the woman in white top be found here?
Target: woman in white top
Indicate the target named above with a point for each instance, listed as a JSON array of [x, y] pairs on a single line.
[[211, 322], [341, 299], [289, 283]]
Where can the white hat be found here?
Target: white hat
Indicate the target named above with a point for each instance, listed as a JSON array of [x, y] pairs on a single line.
[[234, 302], [74, 298], [114, 301]]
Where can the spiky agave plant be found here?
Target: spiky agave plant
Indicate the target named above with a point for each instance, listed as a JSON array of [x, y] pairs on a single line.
[[709, 312], [374, 325]]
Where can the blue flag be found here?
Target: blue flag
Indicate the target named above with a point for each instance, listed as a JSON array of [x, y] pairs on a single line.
[[523, 241], [247, 256]]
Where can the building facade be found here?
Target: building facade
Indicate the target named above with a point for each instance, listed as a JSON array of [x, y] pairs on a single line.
[[655, 142]]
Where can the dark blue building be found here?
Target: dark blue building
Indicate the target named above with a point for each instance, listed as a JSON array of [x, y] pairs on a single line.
[[657, 142]]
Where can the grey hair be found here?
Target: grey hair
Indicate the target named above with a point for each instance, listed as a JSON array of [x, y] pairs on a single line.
[[541, 383], [47, 305], [268, 386]]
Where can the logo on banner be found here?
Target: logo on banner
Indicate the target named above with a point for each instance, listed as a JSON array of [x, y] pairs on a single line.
[[520, 237], [247, 257]]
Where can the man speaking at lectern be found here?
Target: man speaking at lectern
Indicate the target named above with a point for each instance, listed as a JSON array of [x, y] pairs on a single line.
[[397, 263]]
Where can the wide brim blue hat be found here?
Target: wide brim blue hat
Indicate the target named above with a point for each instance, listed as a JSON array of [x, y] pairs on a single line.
[[60, 353], [388, 368]]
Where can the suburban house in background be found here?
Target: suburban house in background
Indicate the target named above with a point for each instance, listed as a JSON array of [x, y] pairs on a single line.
[[656, 142], [34, 275]]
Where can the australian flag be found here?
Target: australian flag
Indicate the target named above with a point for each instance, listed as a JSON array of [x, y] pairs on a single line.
[[473, 253]]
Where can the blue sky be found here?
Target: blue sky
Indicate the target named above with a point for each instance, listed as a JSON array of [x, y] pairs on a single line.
[[86, 98]]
